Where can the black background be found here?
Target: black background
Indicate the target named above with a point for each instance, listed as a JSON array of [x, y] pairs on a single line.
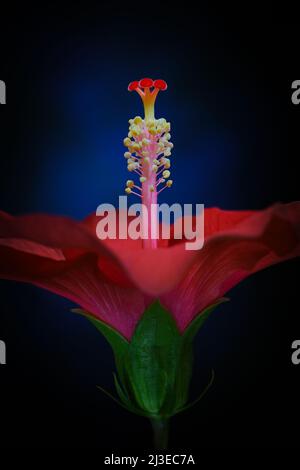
[[48, 396]]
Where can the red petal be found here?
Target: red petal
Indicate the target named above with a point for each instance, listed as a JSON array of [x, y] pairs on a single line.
[[153, 271], [65, 257], [159, 271], [238, 244], [119, 307]]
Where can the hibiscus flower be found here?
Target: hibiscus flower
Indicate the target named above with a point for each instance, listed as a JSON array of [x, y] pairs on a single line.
[[147, 295]]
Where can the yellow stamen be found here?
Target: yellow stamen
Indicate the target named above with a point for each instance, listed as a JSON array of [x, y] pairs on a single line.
[[127, 142]]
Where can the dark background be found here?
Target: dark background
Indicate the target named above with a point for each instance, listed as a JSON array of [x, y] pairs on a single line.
[[235, 132]]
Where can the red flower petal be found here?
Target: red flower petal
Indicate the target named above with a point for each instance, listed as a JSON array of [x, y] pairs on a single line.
[[158, 271], [63, 256], [66, 257], [153, 271], [237, 245], [119, 307]]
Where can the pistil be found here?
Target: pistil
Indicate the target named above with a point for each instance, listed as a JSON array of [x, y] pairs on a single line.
[[148, 144]]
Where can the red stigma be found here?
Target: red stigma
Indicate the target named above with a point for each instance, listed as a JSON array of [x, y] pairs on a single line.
[[160, 84], [147, 83], [133, 86]]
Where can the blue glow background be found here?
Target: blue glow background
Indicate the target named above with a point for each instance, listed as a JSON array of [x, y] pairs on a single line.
[[222, 112], [233, 131]]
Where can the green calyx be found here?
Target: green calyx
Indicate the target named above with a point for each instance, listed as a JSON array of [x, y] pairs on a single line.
[[155, 367]]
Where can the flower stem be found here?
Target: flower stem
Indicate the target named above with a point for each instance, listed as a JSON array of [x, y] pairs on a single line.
[[160, 432]]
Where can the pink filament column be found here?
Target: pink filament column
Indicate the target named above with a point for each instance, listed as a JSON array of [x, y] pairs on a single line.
[[149, 211], [148, 146]]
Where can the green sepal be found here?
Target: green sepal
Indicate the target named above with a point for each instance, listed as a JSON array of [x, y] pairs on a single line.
[[118, 343], [199, 320], [153, 369], [154, 361], [194, 402]]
